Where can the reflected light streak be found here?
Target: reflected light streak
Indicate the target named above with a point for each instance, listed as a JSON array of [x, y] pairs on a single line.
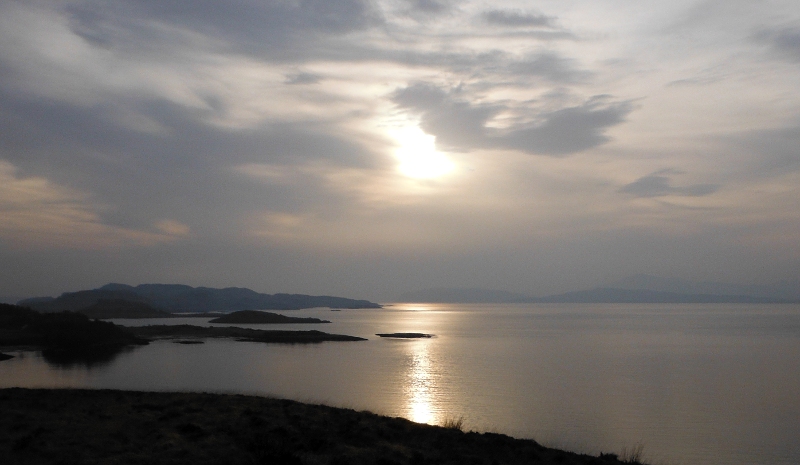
[[421, 385], [417, 307]]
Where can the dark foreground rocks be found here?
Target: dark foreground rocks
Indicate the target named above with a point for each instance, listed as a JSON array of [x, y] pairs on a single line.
[[121, 427]]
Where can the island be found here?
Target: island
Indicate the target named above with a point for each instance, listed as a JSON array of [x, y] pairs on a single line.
[[106, 309], [70, 337], [63, 334], [239, 334], [42, 426], [179, 298], [406, 335], [255, 317]]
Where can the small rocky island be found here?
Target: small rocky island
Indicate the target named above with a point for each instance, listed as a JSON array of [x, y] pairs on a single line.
[[255, 317], [406, 335]]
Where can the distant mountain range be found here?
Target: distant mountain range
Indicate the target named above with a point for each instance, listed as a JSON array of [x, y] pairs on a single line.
[[463, 295], [786, 290], [635, 289], [178, 298], [640, 296]]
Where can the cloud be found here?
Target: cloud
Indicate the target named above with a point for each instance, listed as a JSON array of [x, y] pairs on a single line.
[[660, 185], [197, 128], [173, 228], [785, 41], [765, 154], [460, 125], [40, 214], [512, 18], [550, 66], [303, 78], [269, 25], [429, 6]]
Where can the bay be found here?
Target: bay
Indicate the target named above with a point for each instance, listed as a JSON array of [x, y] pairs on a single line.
[[693, 384]]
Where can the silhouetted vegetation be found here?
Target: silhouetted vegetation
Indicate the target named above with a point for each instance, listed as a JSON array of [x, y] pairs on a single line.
[[63, 336], [454, 423], [632, 455], [85, 426]]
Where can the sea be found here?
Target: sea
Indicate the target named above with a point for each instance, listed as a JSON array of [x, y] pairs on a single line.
[[689, 384]]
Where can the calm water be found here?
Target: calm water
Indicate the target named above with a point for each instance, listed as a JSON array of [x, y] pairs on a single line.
[[694, 384]]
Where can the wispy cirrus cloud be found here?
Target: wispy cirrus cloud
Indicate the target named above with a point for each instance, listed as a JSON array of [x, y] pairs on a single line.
[[516, 18]]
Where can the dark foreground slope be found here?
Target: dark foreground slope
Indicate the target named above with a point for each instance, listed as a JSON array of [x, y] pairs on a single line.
[[94, 427]]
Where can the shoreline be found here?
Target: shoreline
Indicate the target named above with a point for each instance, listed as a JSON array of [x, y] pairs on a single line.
[[111, 426]]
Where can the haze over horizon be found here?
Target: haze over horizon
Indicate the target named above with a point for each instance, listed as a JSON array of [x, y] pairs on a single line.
[[367, 148]]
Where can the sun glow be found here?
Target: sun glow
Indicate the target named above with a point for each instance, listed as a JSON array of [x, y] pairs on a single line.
[[418, 156]]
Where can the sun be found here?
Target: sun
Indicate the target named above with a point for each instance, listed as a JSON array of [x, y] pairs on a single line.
[[417, 154]]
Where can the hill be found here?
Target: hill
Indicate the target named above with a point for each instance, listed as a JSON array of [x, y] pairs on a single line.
[[105, 309], [180, 298]]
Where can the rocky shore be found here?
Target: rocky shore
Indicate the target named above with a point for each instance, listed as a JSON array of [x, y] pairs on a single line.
[[39, 426]]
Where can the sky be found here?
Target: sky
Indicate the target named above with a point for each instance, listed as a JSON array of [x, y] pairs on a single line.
[[368, 148]]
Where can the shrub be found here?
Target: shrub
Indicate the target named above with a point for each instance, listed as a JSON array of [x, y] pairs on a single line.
[[632, 455], [454, 423]]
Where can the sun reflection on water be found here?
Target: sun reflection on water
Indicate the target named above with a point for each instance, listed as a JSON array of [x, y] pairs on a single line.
[[421, 385], [415, 307]]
